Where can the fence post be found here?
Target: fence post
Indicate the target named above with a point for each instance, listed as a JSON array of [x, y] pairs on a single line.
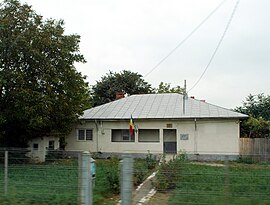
[[226, 181], [127, 180], [6, 173], [79, 177], [86, 182]]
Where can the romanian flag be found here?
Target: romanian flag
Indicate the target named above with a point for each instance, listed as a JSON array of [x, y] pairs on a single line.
[[131, 124]]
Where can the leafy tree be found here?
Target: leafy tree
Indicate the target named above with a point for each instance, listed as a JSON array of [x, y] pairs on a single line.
[[128, 82], [166, 88], [41, 93], [258, 108]]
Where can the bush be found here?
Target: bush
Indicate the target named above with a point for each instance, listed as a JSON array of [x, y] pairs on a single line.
[[169, 172], [140, 171], [245, 160], [150, 160], [56, 154], [113, 175]]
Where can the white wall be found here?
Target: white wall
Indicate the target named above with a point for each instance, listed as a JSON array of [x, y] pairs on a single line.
[[209, 137], [73, 144], [43, 144]]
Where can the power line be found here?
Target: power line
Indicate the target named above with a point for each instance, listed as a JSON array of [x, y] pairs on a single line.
[[218, 45], [185, 39]]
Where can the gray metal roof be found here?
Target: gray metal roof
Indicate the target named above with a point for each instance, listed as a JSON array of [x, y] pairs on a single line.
[[158, 106]]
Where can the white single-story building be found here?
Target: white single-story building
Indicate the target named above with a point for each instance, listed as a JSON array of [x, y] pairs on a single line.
[[39, 147], [163, 123]]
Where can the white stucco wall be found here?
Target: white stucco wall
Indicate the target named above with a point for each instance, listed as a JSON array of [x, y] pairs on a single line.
[[206, 137], [73, 144], [39, 154]]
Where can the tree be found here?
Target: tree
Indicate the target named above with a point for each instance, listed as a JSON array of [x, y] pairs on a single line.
[[128, 82], [258, 108], [166, 88], [41, 93]]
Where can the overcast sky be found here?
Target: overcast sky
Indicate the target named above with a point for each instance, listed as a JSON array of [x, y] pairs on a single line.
[[136, 35]]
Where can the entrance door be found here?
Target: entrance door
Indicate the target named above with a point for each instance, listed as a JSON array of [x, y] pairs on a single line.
[[169, 141]]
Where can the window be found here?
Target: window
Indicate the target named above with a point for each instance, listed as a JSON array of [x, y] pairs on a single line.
[[85, 134], [51, 145], [183, 136], [35, 146], [148, 135], [122, 135]]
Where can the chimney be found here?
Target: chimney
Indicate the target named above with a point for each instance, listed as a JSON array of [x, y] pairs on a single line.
[[119, 95]]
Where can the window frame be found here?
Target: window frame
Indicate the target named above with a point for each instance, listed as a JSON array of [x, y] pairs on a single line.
[[84, 137], [51, 146], [148, 141], [124, 133]]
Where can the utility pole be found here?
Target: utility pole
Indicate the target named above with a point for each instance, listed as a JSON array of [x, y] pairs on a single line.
[[184, 97]]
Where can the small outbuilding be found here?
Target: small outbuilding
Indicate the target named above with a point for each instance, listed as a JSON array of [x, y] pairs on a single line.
[[161, 123]]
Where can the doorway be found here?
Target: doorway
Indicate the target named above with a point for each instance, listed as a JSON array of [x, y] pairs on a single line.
[[169, 141]]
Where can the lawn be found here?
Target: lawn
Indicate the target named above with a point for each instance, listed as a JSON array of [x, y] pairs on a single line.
[[241, 184], [54, 183], [57, 182]]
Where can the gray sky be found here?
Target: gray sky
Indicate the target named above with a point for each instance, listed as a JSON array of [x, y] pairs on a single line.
[[136, 35]]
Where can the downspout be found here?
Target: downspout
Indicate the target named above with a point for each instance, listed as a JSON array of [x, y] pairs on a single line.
[[96, 123], [195, 136]]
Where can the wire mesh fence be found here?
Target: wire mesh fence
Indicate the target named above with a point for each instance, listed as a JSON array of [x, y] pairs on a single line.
[[54, 181], [180, 181], [156, 180]]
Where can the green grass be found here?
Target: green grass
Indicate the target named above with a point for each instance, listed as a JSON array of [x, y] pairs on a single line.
[[52, 184], [41, 184], [57, 182], [237, 184]]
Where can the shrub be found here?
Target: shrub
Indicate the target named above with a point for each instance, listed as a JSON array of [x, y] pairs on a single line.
[[113, 175], [150, 160], [56, 154], [140, 171], [169, 172]]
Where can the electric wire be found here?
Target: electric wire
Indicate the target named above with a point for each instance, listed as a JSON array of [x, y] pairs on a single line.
[[218, 45], [186, 38]]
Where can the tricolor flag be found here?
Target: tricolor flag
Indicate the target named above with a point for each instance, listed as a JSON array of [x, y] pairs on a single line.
[[131, 124]]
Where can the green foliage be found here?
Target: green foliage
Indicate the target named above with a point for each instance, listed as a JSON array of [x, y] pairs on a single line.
[[169, 173], [255, 128], [258, 108], [109, 171], [143, 168], [166, 88], [245, 160], [140, 171], [125, 81], [150, 160], [56, 154], [41, 93]]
